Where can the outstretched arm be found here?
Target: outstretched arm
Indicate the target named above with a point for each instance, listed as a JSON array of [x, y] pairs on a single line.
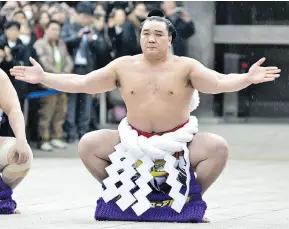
[[98, 81], [209, 81], [9, 103]]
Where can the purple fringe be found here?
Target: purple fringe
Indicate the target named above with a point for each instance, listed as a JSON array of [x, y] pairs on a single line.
[[7, 204], [2, 120], [192, 212]]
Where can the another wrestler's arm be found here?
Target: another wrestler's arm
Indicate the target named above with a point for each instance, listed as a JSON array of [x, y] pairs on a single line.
[[209, 81], [9, 103]]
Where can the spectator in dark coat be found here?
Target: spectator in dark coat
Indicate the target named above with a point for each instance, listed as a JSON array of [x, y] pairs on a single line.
[[181, 20]]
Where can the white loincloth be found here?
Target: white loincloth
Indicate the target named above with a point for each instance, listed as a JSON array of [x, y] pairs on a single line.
[[195, 101], [133, 148]]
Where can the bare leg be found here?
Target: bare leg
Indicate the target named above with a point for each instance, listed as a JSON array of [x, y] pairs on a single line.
[[12, 174], [94, 148], [208, 156]]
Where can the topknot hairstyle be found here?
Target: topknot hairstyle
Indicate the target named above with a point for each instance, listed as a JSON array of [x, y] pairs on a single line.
[[158, 15]]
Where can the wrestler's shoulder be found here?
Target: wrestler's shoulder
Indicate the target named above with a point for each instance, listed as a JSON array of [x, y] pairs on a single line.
[[3, 75], [187, 60], [185, 63], [127, 60]]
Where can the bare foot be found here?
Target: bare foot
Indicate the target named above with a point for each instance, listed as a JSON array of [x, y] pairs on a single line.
[[205, 220], [17, 212]]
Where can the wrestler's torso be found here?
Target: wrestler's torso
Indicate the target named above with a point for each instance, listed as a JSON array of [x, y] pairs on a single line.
[[157, 97]]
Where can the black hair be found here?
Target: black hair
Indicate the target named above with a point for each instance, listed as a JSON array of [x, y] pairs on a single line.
[[10, 24], [52, 22], [158, 15], [85, 8]]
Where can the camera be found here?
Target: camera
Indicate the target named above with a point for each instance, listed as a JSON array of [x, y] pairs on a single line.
[[86, 32]]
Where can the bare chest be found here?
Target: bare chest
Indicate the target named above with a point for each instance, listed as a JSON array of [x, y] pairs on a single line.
[[154, 81]]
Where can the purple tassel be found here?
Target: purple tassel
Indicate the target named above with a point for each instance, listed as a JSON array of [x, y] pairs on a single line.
[[2, 120], [7, 204], [192, 212]]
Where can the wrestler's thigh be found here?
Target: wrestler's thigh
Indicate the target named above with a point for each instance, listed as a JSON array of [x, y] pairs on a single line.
[[100, 143], [205, 146], [6, 142]]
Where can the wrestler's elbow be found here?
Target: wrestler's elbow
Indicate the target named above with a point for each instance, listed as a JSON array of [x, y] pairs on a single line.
[[87, 86], [210, 88], [92, 90], [98, 86], [218, 87], [15, 115], [83, 85], [14, 109]]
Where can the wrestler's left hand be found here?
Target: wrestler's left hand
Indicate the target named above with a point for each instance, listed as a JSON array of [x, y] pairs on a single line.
[[258, 74], [20, 152]]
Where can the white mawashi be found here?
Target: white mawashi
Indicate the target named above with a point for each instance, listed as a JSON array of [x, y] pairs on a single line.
[[133, 148]]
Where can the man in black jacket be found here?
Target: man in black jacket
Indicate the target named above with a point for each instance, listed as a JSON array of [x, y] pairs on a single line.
[[13, 51], [183, 24], [83, 45]]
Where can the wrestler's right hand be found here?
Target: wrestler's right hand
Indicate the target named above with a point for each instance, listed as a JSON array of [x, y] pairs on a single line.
[[20, 153], [33, 74]]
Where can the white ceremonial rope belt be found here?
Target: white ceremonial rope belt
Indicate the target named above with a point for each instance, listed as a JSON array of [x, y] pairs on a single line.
[[133, 148]]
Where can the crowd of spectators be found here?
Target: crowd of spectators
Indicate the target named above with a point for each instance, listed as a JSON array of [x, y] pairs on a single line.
[[74, 37]]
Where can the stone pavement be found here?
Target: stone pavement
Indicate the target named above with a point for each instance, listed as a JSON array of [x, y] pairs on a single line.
[[250, 194], [59, 193]]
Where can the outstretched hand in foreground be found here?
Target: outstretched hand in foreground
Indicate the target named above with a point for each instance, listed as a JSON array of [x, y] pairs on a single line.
[[258, 74], [33, 74]]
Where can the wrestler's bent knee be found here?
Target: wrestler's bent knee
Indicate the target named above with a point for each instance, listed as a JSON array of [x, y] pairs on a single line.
[[14, 167], [214, 145], [221, 147], [98, 143], [83, 146]]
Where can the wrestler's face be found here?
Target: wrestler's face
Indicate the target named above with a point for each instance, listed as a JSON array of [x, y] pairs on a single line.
[[155, 39]]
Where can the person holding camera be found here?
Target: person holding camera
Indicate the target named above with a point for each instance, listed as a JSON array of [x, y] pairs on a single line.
[[83, 44], [183, 23], [13, 53]]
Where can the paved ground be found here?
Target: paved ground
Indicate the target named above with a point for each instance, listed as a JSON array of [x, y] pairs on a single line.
[[250, 194], [59, 193]]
